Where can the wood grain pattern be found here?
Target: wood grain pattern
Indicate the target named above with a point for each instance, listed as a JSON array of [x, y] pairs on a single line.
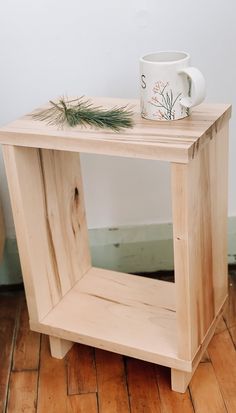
[[143, 389], [84, 403], [112, 389], [65, 211], [52, 393], [52, 388], [48, 209], [200, 228], [205, 391], [232, 331], [171, 402], [148, 139], [212, 382], [23, 392], [27, 345], [121, 313], [223, 357], [81, 370], [146, 319], [9, 312]]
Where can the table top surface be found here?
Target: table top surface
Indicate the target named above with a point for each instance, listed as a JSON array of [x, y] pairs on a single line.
[[174, 141]]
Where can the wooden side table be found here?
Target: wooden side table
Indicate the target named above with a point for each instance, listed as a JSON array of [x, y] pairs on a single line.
[[166, 323]]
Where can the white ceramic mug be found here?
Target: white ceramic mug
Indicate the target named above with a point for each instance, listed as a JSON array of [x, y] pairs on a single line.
[[169, 85]]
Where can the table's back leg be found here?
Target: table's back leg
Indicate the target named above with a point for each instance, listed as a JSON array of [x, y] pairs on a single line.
[[199, 192], [48, 207]]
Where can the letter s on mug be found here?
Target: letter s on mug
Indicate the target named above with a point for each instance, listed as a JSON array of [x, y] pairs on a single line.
[[143, 83]]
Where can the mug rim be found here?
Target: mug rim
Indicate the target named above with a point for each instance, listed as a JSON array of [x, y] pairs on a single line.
[[183, 57]]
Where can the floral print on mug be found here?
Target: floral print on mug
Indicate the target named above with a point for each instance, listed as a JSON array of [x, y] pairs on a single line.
[[164, 99]]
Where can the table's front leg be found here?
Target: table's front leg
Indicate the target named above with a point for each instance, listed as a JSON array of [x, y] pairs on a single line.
[[48, 207], [199, 196]]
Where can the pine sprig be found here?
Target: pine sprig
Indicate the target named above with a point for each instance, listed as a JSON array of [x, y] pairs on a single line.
[[82, 112]]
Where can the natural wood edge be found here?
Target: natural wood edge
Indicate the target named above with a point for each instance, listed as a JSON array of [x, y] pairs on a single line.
[[149, 151], [209, 134], [184, 365]]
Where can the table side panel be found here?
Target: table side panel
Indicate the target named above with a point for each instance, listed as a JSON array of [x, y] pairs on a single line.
[[48, 208], [66, 216], [199, 192]]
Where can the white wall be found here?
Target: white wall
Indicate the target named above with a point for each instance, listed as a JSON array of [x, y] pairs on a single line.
[[51, 47]]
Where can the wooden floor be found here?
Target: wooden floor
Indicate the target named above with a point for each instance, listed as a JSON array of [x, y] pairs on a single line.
[[91, 380]]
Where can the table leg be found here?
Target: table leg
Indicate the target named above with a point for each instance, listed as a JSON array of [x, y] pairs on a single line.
[[59, 347], [180, 380]]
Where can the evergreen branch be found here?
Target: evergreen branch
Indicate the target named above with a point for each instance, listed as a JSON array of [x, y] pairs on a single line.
[[82, 112]]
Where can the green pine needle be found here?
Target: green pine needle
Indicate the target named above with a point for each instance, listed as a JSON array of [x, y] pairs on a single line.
[[82, 112]]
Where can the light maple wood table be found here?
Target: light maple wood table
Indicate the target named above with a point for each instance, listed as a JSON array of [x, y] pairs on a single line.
[[165, 323]]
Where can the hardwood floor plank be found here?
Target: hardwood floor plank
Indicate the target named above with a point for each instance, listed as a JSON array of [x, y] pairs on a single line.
[[232, 331], [81, 371], [213, 387], [142, 387], [83, 403], [26, 353], [171, 402], [52, 388], [223, 357], [7, 327], [205, 391], [22, 392], [9, 304], [9, 312], [112, 389]]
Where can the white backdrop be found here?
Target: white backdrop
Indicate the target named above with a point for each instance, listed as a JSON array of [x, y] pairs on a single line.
[[52, 47]]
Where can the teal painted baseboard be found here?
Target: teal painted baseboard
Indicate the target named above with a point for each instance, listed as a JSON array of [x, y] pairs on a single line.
[[232, 240], [10, 269], [142, 248]]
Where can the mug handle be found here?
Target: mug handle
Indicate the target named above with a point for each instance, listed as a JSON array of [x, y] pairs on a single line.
[[198, 87]]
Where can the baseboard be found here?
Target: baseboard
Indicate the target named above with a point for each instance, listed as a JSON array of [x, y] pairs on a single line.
[[142, 248], [232, 240], [10, 269], [133, 249]]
